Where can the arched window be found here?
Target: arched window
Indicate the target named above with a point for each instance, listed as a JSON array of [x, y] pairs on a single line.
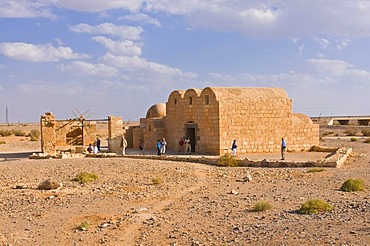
[[175, 101], [207, 99], [190, 101]]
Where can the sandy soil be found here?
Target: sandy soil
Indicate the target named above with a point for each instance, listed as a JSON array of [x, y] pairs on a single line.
[[193, 205]]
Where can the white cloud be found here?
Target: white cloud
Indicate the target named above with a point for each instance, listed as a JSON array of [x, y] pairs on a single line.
[[262, 15], [142, 18], [330, 67], [136, 63], [24, 9], [38, 53], [273, 19], [98, 5], [125, 32], [89, 69], [326, 43], [126, 47], [322, 42]]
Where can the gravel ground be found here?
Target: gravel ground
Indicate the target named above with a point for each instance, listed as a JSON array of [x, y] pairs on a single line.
[[193, 204]]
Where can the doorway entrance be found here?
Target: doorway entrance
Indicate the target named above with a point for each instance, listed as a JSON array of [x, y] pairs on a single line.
[[190, 130]]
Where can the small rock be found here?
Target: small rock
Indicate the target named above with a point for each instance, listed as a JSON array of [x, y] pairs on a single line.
[[234, 192], [247, 178], [49, 185]]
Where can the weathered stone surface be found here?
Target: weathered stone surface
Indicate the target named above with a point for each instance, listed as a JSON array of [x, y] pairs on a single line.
[[49, 185]]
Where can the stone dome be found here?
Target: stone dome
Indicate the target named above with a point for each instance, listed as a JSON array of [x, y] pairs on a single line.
[[156, 111]]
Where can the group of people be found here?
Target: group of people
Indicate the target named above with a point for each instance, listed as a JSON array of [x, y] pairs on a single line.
[[184, 146], [95, 147], [161, 146], [283, 148]]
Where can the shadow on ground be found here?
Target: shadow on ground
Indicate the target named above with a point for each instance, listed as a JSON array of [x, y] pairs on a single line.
[[16, 155]]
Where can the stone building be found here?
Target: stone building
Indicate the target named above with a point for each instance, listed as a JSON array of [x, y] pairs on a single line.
[[76, 134], [257, 118]]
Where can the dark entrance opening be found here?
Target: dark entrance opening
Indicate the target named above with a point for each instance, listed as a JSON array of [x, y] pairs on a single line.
[[191, 130]]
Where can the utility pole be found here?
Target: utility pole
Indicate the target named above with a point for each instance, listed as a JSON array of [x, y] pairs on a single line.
[[7, 115]]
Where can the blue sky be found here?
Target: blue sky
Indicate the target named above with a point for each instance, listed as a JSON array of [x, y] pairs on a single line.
[[119, 57]]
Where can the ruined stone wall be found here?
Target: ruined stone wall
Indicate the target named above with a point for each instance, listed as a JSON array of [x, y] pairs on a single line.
[[48, 137], [115, 132], [60, 135], [138, 133], [89, 133], [193, 108]]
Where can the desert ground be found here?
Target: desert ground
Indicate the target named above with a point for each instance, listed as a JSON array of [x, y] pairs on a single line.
[[160, 202]]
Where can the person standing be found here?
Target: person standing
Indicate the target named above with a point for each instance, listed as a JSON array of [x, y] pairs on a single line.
[[233, 147], [187, 146], [163, 146], [181, 145], [123, 145], [283, 149], [159, 144], [141, 146], [95, 148], [98, 144]]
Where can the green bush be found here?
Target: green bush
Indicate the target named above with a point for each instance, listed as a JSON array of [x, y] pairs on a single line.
[[5, 133], [19, 133], [351, 131], [84, 177], [315, 206], [2, 142], [353, 185], [366, 132], [34, 135], [157, 181], [316, 170], [262, 206], [83, 226], [354, 139], [228, 160]]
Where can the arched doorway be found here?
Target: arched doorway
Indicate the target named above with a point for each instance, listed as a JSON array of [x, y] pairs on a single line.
[[191, 132]]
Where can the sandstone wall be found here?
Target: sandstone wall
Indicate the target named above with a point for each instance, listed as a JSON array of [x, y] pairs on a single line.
[[153, 129], [193, 108], [115, 132], [257, 124], [48, 137]]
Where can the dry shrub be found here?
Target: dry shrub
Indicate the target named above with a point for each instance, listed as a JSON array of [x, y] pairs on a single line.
[[262, 206], [228, 160], [19, 133], [2, 142], [84, 177], [315, 206], [316, 170], [367, 140], [366, 132], [34, 135], [83, 226], [5, 133], [351, 131], [353, 185], [157, 181]]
